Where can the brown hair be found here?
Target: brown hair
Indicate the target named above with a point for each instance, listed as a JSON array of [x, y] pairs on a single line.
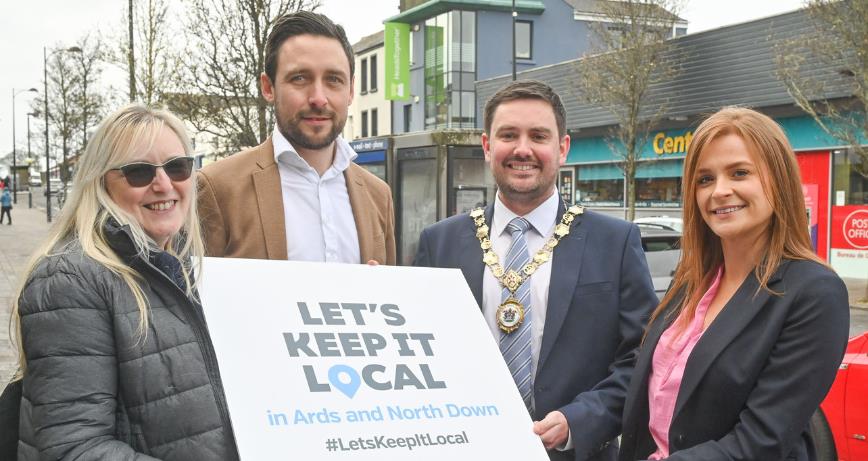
[[300, 23], [701, 252], [527, 89]]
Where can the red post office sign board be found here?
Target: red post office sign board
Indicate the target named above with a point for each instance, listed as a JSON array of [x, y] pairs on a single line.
[[850, 227]]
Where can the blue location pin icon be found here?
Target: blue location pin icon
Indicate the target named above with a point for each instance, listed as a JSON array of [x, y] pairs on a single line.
[[345, 378]]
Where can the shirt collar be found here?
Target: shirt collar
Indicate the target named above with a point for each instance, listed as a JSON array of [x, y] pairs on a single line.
[[541, 219], [283, 151]]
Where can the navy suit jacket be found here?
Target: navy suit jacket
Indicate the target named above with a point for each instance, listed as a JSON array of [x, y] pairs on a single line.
[[600, 296], [755, 377]]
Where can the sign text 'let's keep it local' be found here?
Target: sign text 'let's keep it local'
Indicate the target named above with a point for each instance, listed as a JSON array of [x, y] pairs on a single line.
[[337, 361]]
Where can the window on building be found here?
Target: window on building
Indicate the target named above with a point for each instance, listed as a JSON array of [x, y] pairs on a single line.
[[851, 188], [373, 73], [373, 122], [412, 41], [364, 124], [600, 185], [618, 35], [364, 76], [408, 111], [658, 192], [450, 70], [658, 184], [600, 192], [523, 39]]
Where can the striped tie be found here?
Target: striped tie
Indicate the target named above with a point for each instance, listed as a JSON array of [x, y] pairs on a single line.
[[515, 346]]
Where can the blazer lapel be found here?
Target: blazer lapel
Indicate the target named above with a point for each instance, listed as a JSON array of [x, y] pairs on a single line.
[[735, 317], [470, 256], [363, 213], [642, 368], [269, 198], [566, 265]]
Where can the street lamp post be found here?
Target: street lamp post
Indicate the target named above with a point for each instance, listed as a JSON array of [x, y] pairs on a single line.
[[514, 15], [73, 49], [14, 144], [47, 161], [30, 156]]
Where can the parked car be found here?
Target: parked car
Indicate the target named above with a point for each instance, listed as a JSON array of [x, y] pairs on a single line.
[[34, 181], [840, 426], [662, 247], [672, 223]]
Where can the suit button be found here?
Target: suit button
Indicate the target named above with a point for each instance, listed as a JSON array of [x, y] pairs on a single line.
[[679, 439]]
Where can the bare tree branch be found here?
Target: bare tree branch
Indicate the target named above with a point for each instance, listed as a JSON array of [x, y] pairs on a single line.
[[630, 39], [219, 91], [837, 41]]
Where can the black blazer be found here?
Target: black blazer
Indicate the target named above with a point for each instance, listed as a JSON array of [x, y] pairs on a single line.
[[600, 296], [755, 377]]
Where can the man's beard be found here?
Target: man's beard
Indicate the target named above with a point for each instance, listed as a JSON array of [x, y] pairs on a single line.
[[291, 129], [539, 190]]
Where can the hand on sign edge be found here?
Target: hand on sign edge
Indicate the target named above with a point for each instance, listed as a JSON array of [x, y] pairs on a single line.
[[553, 430]]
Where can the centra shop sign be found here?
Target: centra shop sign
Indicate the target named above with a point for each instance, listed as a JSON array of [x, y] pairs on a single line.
[[668, 144]]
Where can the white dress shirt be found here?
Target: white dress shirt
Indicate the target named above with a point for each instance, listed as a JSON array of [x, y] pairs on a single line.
[[542, 225], [318, 216]]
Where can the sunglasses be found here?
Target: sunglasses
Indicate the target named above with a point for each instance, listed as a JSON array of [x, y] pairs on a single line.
[[141, 174]]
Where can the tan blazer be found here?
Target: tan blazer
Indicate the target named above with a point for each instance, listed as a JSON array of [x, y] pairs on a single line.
[[241, 208]]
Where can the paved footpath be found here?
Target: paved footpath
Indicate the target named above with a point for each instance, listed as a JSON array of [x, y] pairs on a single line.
[[17, 242]]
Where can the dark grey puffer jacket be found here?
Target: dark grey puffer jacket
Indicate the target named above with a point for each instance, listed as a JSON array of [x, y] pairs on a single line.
[[94, 390]]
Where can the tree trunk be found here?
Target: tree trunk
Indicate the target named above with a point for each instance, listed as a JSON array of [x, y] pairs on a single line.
[[631, 196]]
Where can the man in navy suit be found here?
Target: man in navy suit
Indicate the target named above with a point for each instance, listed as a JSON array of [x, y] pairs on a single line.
[[569, 285]]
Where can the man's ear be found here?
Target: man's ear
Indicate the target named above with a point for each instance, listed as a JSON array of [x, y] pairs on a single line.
[[485, 147], [267, 87], [564, 148]]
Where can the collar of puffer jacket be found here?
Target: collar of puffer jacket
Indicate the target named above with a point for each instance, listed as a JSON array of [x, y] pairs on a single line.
[[120, 238]]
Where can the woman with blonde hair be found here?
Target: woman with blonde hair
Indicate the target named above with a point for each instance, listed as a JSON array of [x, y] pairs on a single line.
[[116, 360], [746, 343]]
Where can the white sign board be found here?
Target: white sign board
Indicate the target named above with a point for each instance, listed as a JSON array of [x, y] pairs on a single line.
[[339, 361]]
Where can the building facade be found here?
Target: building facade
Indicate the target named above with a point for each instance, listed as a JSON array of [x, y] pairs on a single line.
[[435, 164], [453, 44], [732, 65], [370, 113]]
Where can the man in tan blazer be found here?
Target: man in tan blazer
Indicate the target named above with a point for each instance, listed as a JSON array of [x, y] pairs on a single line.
[[298, 195]]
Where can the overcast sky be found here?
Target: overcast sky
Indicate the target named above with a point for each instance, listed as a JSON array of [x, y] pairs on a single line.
[[27, 26]]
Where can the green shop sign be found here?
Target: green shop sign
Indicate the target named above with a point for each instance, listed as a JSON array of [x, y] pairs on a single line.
[[397, 43]]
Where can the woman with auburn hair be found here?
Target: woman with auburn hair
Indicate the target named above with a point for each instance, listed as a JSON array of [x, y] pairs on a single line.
[[115, 358], [747, 341]]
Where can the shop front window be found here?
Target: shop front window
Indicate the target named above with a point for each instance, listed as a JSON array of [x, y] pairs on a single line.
[[658, 184], [851, 186], [600, 185], [600, 192], [658, 193]]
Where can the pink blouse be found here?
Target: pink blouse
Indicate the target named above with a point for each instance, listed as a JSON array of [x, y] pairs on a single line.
[[667, 369]]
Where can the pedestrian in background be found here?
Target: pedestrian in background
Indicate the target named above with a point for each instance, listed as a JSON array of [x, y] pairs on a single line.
[[116, 359], [747, 341], [6, 206]]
